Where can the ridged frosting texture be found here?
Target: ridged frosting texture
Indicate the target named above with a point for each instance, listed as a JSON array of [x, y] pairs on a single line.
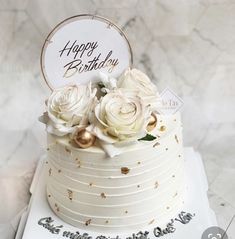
[[141, 186]]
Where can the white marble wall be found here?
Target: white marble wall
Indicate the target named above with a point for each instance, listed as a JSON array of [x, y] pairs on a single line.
[[187, 45]]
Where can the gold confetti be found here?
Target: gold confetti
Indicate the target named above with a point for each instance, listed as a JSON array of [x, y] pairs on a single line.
[[88, 222], [176, 139], [67, 150], [151, 222], [125, 170], [103, 195], [156, 144], [70, 194], [156, 184], [162, 128]]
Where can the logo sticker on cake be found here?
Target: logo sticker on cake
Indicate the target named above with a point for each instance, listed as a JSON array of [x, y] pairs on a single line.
[[81, 47]]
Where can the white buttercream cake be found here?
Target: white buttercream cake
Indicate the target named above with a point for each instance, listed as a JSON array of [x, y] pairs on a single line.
[[142, 183]]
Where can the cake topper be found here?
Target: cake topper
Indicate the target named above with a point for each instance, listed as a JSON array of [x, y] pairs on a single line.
[[81, 47]]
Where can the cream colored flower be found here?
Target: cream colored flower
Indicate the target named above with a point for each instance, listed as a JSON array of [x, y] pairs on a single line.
[[68, 107], [134, 79], [121, 115]]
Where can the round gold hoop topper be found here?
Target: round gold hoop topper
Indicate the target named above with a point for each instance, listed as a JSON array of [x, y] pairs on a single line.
[[80, 47]]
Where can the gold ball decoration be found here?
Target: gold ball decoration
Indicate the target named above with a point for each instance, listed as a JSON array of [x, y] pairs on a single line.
[[152, 122], [84, 139]]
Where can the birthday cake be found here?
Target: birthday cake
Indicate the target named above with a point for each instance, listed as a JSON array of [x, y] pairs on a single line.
[[114, 163]]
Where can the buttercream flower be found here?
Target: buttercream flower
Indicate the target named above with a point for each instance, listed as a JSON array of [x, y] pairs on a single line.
[[121, 115], [68, 107], [134, 79]]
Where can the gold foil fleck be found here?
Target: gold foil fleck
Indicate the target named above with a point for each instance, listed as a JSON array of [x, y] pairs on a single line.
[[67, 150], [162, 128], [125, 170], [103, 195], [88, 222], [156, 144], [70, 194], [176, 139], [151, 222], [156, 184]]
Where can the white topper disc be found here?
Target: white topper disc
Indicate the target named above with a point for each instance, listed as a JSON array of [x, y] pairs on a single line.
[[82, 46]]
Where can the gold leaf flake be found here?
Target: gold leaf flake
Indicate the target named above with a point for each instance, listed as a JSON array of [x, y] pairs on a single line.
[[162, 128], [67, 150], [175, 195], [156, 184], [70, 194], [125, 170], [88, 222], [176, 139], [151, 222], [156, 144], [103, 195]]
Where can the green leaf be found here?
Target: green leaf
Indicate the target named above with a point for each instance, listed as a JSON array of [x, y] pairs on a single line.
[[148, 137]]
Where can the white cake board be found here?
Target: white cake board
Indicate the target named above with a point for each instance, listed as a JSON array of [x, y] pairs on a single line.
[[197, 203]]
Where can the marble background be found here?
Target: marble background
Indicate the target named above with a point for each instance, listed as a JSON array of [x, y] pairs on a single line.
[[187, 45]]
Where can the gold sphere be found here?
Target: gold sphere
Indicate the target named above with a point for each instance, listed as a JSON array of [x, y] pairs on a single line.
[[152, 122], [84, 139]]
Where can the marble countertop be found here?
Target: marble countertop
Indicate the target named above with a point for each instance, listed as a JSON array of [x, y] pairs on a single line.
[[186, 45]]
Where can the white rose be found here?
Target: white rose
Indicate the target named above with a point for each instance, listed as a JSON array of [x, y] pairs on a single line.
[[134, 79], [68, 107], [121, 115]]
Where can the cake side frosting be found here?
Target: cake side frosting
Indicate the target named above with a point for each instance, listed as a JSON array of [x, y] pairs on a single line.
[[142, 185]]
